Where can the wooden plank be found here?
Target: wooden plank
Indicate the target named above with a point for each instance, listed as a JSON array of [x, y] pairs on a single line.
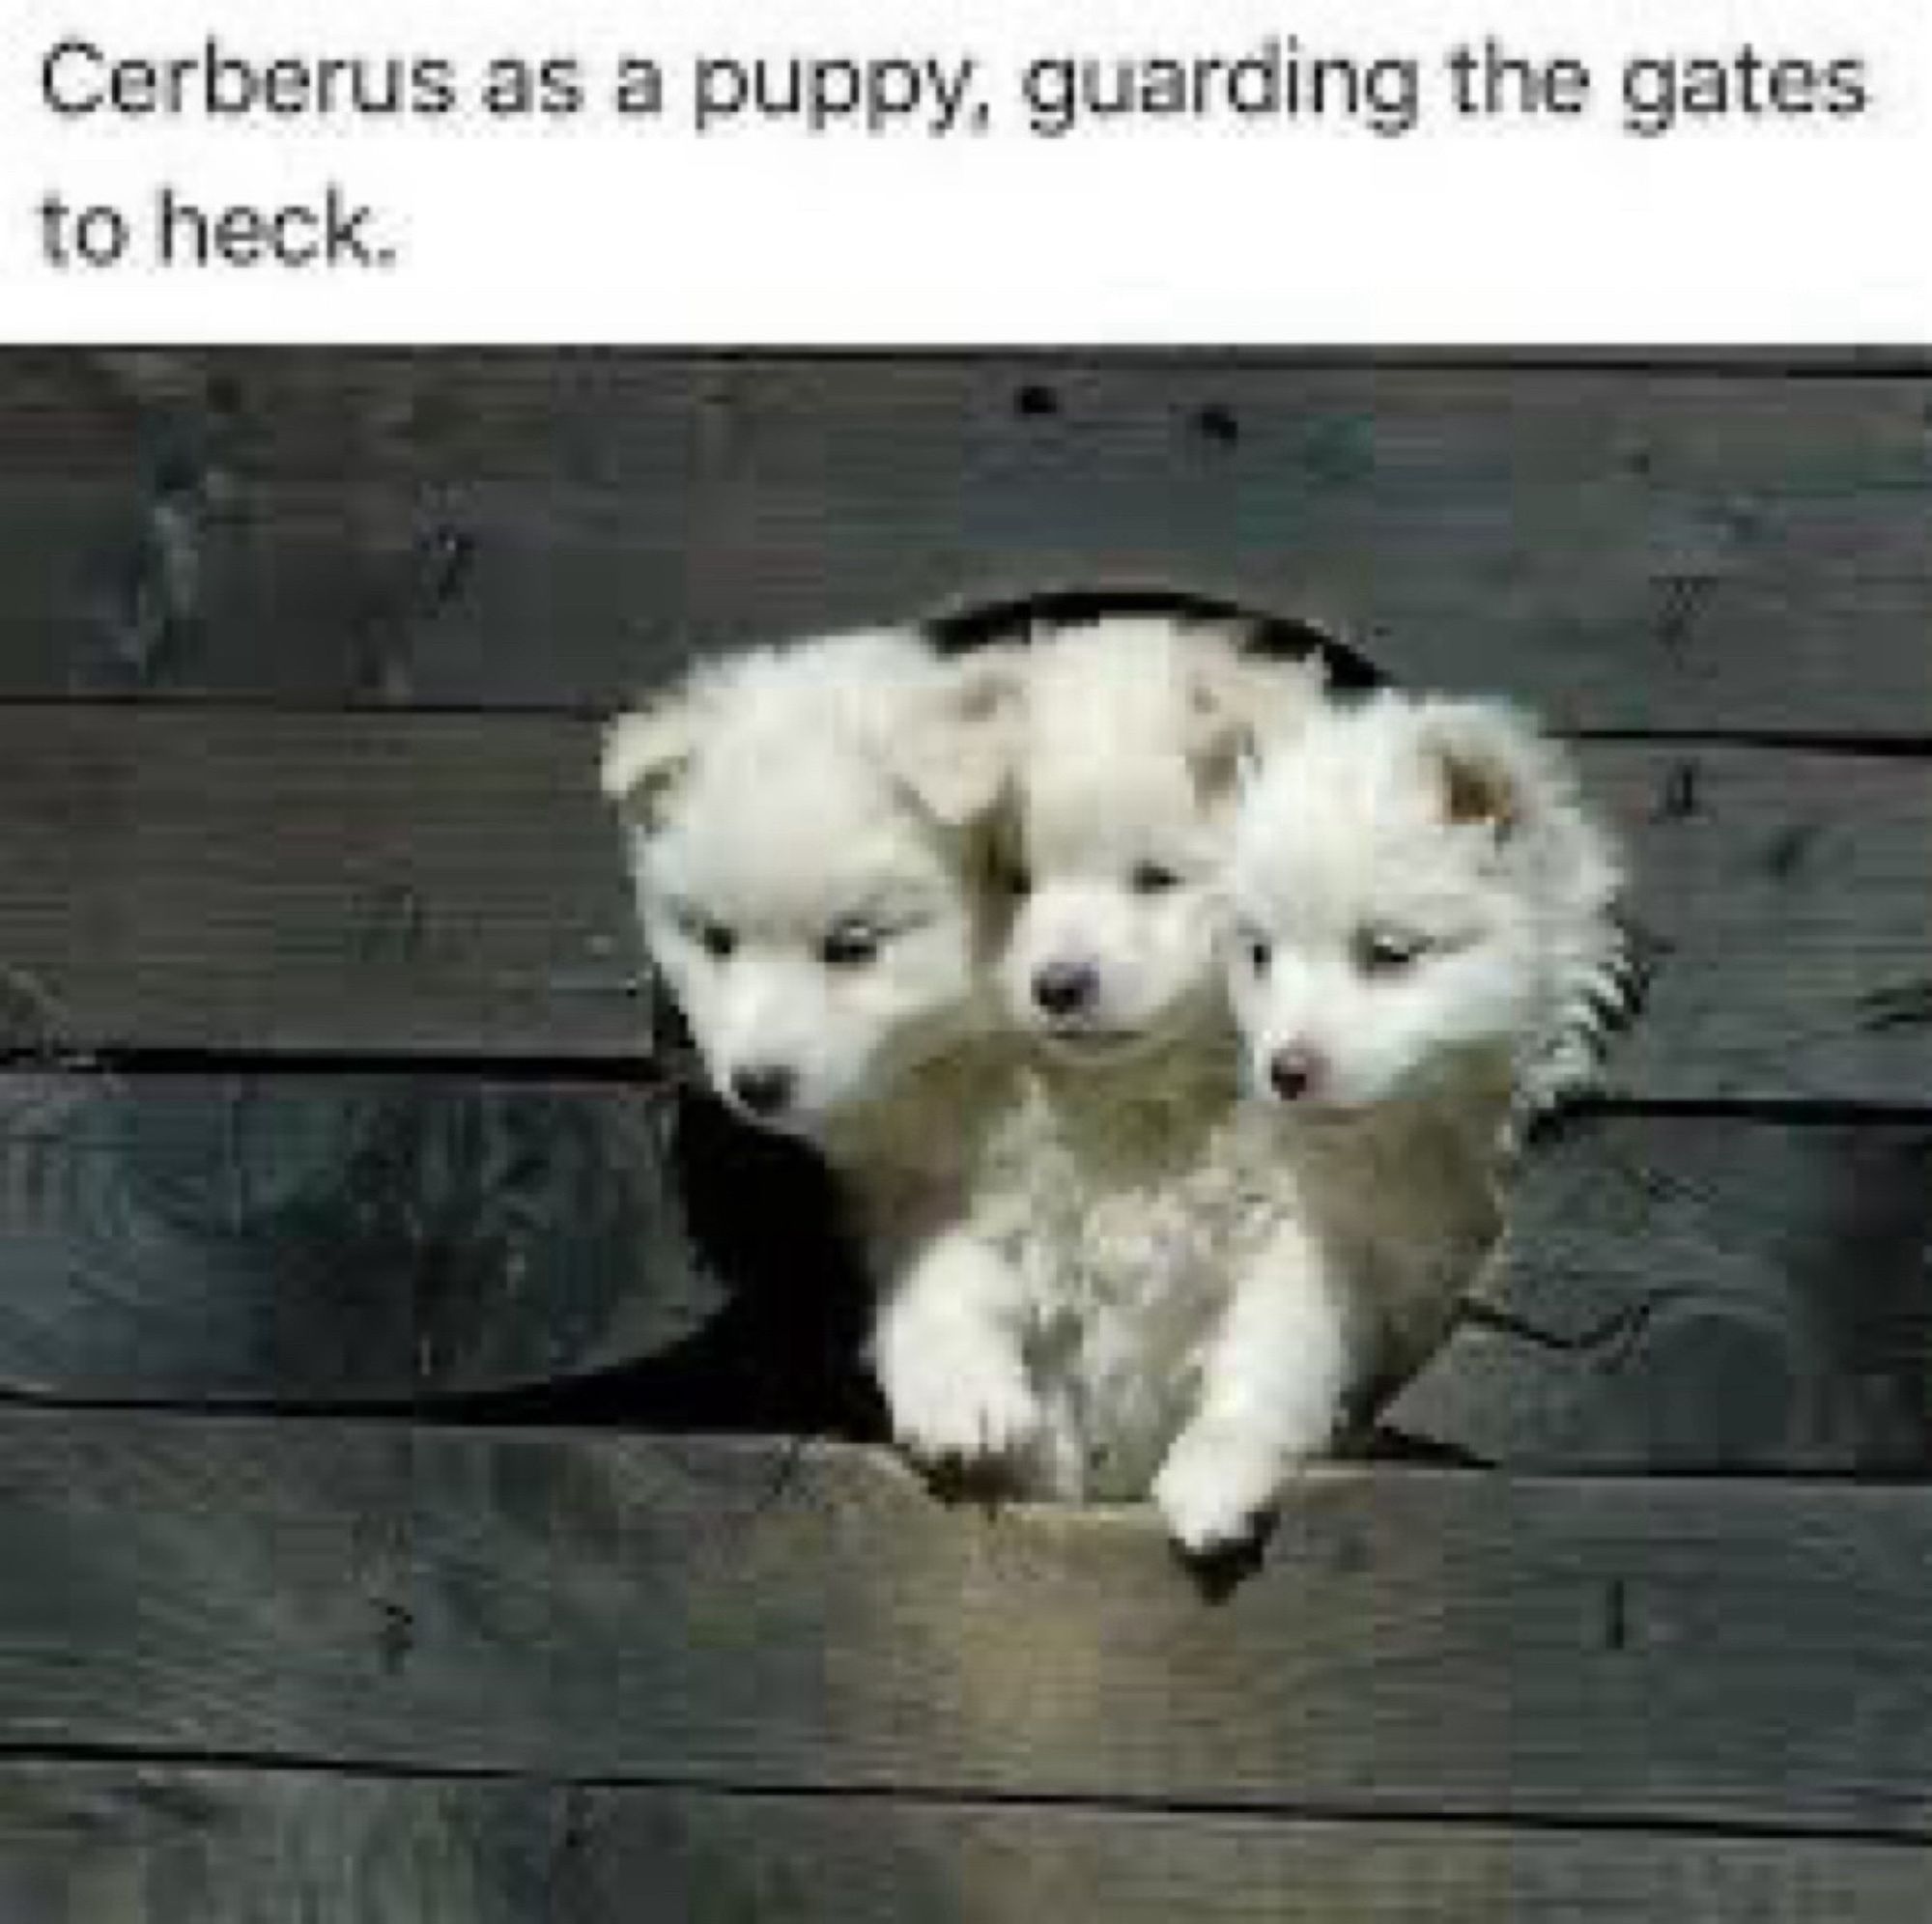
[[1682, 1293], [1787, 894], [287, 883], [120, 1845], [824, 1862], [1691, 1295], [452, 883], [1674, 547], [87, 1845], [387, 1239], [1418, 1643]]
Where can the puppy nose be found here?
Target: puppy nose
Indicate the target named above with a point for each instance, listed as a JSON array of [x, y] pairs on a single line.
[[764, 1089], [1062, 988], [1293, 1071]]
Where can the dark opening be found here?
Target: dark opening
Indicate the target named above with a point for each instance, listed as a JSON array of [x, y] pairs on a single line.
[[1269, 633]]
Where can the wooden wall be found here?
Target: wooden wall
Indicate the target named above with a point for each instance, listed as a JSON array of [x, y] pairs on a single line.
[[302, 656], [349, 1213]]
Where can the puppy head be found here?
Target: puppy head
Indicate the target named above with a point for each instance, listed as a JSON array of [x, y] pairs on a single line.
[[1132, 736], [1390, 877], [801, 844]]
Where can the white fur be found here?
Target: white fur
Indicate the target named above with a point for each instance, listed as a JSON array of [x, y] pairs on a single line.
[[1203, 1280], [774, 800], [1453, 824], [1099, 1266], [1153, 1293], [1131, 738], [779, 801]]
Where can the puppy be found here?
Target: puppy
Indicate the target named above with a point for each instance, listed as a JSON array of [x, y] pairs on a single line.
[[1129, 737], [1123, 1192], [1418, 895], [1418, 900], [805, 842]]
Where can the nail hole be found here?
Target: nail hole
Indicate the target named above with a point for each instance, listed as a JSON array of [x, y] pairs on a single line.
[[1681, 797], [1036, 401], [1616, 1615], [447, 554], [1218, 424]]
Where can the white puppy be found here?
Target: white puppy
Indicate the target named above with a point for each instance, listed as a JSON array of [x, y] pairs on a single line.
[[1418, 894], [1419, 904], [1129, 1189], [807, 868], [1130, 737]]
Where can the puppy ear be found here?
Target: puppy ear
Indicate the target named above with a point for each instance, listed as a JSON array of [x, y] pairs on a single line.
[[647, 754], [1238, 703], [954, 748], [1494, 767]]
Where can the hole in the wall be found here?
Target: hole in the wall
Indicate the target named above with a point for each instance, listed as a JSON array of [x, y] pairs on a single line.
[[1269, 631], [1036, 401], [783, 1354], [786, 1354]]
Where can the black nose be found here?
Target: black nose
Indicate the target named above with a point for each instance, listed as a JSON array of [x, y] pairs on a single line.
[[764, 1089], [1293, 1071], [1064, 988]]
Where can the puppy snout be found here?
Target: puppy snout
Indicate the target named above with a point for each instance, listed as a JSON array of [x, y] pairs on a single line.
[[1066, 988], [1293, 1071], [764, 1089]]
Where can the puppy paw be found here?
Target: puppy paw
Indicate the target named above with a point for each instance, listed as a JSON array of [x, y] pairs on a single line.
[[1217, 1487], [954, 1413]]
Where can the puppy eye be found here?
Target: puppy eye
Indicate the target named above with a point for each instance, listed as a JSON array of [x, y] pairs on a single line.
[[850, 944], [1256, 950], [714, 937], [1388, 951], [1153, 878]]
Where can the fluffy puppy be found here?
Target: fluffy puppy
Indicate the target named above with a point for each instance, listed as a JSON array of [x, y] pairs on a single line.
[[1417, 892], [805, 844], [1127, 1184], [1128, 737], [1418, 899]]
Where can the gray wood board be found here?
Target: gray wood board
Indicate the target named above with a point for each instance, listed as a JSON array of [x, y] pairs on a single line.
[[329, 1238], [274, 883], [452, 883], [150, 1845], [1679, 1292], [1789, 896], [1692, 1293], [692, 1613], [1672, 548]]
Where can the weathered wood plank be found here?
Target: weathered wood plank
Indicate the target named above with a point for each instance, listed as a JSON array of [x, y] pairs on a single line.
[[362, 1240], [87, 1845], [1672, 548], [275, 882], [1682, 1294], [826, 1862], [435, 884], [1418, 1643], [116, 1845], [1788, 896], [1689, 1294]]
